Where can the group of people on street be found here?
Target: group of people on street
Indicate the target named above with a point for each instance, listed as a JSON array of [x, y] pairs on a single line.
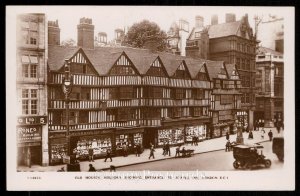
[[195, 140], [166, 149]]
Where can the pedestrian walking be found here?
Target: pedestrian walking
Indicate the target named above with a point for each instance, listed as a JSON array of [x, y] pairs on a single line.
[[177, 151], [108, 155], [227, 135], [152, 152], [270, 134], [168, 151], [91, 154], [227, 146], [92, 168]]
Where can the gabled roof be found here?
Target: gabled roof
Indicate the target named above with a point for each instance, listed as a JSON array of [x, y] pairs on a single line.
[[263, 50], [58, 54], [229, 68], [194, 65], [103, 59], [224, 29], [213, 68]]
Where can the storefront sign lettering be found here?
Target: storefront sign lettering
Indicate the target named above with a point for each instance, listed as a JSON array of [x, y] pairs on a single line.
[[29, 134], [32, 120]]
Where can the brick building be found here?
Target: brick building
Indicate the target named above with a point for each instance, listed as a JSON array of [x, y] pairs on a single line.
[[32, 128], [234, 43]]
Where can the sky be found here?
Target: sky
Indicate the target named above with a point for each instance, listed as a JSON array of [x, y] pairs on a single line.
[[108, 18]]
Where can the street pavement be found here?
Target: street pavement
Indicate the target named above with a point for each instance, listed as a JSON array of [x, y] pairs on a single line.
[[205, 146], [213, 161]]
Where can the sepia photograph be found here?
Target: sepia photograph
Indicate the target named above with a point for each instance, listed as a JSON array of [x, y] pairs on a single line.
[[190, 96]]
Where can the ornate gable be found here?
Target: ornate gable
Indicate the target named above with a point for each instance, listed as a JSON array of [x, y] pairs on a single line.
[[123, 66], [182, 72], [80, 64], [157, 69]]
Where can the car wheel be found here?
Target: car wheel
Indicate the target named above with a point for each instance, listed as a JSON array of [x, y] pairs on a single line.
[[235, 164], [268, 163]]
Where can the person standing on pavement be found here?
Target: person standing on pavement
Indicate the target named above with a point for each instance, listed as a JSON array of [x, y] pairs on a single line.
[[270, 134], [124, 150], [152, 152], [138, 149], [227, 135], [164, 149], [92, 168], [91, 154], [196, 140], [108, 155], [177, 151], [168, 151]]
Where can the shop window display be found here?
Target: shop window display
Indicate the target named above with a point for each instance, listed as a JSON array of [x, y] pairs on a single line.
[[123, 139], [58, 151], [198, 131], [138, 138], [99, 144], [173, 136]]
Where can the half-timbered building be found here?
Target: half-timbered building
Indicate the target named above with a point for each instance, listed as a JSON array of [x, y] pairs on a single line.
[[126, 96], [225, 98]]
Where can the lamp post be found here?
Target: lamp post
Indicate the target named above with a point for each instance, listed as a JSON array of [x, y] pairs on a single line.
[[67, 88], [239, 137]]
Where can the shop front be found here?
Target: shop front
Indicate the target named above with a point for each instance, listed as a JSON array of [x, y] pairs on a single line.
[[220, 129], [242, 117], [29, 145], [195, 131], [80, 142], [171, 135], [30, 138], [128, 139]]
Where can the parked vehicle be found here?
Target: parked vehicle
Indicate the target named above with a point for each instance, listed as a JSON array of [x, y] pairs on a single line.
[[278, 147], [247, 157]]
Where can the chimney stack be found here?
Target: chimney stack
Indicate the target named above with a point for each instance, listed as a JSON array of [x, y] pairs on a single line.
[[230, 17], [214, 19], [53, 33], [199, 21], [85, 36], [119, 35], [102, 37]]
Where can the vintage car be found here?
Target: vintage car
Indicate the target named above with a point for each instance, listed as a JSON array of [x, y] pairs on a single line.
[[247, 156], [278, 147]]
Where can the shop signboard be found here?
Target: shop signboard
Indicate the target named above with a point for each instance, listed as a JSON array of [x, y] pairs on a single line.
[[29, 134], [32, 120]]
